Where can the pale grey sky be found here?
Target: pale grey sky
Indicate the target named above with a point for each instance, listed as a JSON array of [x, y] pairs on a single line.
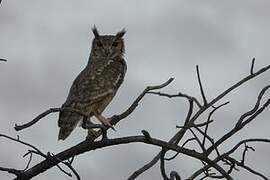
[[47, 44]]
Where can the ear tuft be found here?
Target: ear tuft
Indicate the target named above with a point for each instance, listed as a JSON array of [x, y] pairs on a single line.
[[95, 31], [120, 34]]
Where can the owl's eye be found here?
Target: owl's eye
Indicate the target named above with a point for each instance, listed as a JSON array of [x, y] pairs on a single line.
[[114, 44], [99, 44]]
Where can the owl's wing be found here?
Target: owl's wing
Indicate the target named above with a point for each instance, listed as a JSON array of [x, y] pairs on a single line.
[[96, 82]]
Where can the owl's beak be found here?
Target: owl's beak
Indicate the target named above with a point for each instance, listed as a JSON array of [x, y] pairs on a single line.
[[107, 52]]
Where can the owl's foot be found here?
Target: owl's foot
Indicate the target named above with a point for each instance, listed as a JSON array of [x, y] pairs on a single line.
[[107, 122], [104, 121], [92, 134]]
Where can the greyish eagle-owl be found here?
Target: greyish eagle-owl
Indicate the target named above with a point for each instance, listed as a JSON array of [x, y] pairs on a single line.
[[96, 85]]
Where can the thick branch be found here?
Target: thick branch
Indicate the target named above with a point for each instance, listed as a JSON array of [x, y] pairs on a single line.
[[87, 146]]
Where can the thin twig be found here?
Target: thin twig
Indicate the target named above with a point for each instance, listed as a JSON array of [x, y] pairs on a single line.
[[253, 113], [200, 84], [245, 152], [241, 121], [68, 164], [146, 135], [227, 154], [29, 161], [42, 115], [177, 95], [198, 140], [252, 66], [240, 164], [196, 125], [22, 142], [209, 119]]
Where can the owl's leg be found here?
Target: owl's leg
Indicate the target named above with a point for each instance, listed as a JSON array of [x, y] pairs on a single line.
[[91, 133], [102, 119], [86, 124]]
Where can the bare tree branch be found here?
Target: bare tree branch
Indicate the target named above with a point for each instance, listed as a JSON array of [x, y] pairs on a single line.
[[252, 66], [177, 95], [178, 136], [220, 167], [209, 119], [227, 154], [35, 150], [0, 58], [115, 118], [87, 146], [42, 115], [200, 84], [240, 123]]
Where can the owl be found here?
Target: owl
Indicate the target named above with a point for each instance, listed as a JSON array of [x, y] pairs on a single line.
[[96, 85]]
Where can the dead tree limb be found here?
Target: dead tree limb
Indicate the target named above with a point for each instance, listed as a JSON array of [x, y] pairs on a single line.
[[180, 134], [198, 131]]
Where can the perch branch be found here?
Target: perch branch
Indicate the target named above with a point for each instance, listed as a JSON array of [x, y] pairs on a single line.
[[115, 118], [87, 146]]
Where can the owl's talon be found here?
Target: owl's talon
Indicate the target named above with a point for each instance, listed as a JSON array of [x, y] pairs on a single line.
[[108, 124], [113, 128]]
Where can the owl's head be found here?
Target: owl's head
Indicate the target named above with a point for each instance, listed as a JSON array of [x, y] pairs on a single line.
[[108, 45]]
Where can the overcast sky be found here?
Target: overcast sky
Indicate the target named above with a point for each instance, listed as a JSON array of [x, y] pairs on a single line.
[[47, 43]]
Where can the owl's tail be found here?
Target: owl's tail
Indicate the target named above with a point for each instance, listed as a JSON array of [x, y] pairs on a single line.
[[67, 122], [64, 133]]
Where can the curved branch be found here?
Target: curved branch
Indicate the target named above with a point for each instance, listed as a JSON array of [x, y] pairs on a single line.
[[241, 123]]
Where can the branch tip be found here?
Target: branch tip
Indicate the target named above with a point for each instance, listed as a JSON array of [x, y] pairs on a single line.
[[200, 85], [146, 135], [252, 66]]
